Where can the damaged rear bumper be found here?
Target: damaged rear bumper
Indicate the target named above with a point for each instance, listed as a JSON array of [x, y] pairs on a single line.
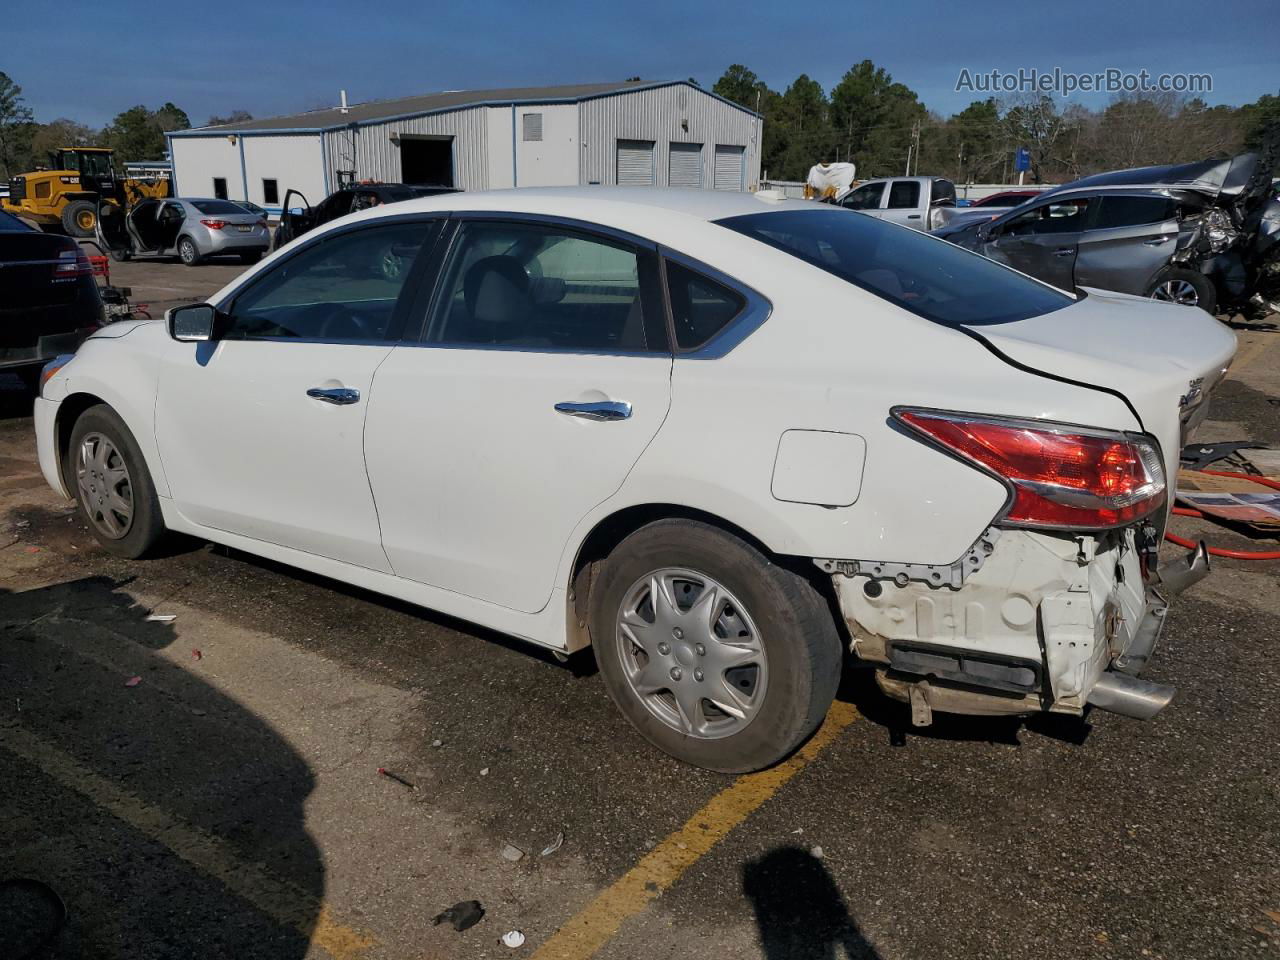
[[1025, 622]]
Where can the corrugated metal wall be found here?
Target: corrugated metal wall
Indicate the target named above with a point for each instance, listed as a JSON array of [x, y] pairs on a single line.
[[656, 115], [370, 152]]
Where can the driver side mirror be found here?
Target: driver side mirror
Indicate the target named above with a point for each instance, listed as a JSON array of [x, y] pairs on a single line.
[[192, 324]]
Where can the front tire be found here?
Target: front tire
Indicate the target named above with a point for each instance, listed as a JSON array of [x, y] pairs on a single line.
[[714, 653], [187, 252], [112, 485], [1189, 288]]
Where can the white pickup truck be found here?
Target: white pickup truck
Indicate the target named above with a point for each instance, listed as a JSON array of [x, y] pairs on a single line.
[[925, 203]]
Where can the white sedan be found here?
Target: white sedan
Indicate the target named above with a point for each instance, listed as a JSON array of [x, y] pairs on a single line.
[[717, 437]]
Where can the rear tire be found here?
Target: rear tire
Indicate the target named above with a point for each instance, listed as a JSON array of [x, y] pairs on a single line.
[[766, 646], [79, 217], [187, 252], [1187, 287], [112, 485]]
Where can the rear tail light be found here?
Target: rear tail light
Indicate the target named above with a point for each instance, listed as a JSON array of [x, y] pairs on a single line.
[[214, 224], [73, 263], [1060, 476]]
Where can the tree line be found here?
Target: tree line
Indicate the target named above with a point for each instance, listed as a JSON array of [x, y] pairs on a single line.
[[882, 126], [135, 134]]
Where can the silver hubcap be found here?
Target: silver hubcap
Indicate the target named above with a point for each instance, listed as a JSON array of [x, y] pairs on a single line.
[[105, 489], [691, 653], [1177, 291]]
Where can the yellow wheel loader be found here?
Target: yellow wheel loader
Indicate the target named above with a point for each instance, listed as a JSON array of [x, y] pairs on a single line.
[[65, 198]]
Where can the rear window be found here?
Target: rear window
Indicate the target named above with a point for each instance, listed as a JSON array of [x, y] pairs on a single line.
[[928, 276], [8, 223], [221, 207]]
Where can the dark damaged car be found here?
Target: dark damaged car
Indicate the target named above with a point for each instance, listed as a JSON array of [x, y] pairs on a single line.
[[1204, 234]]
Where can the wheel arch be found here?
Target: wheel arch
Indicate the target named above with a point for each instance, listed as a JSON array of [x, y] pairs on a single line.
[[610, 530], [69, 411]]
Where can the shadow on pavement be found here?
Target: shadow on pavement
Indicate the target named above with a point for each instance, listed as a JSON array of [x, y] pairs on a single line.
[[800, 912], [142, 803]]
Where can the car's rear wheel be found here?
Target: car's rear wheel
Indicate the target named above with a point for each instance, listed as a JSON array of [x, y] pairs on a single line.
[[187, 252], [717, 655], [112, 484], [79, 217], [1186, 287]]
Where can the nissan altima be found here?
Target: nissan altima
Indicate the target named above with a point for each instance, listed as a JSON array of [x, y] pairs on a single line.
[[719, 438]]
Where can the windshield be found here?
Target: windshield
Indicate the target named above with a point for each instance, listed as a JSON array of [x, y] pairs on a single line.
[[930, 277]]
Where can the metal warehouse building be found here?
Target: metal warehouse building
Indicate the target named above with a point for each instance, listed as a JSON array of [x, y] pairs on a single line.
[[633, 134]]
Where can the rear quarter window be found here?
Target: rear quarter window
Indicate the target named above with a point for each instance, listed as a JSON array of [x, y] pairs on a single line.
[[929, 277]]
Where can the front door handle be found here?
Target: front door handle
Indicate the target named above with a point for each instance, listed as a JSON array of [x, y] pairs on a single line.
[[336, 395], [1156, 241], [1064, 251], [596, 409]]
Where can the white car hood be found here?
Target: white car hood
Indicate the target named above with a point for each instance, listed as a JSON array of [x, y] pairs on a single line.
[[120, 328]]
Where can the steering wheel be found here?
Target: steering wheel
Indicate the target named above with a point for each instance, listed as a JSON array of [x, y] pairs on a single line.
[[339, 322]]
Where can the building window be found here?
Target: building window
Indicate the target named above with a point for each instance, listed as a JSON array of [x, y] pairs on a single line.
[[270, 192], [220, 188], [532, 126]]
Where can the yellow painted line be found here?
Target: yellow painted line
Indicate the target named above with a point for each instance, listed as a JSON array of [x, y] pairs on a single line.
[[284, 902], [601, 919]]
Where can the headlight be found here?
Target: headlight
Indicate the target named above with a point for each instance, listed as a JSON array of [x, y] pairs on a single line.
[[53, 366]]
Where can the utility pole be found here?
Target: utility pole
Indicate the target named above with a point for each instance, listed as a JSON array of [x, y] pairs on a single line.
[[913, 148]]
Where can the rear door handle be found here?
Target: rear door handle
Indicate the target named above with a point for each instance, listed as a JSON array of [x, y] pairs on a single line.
[[1064, 251], [595, 410], [913, 216], [336, 395], [1156, 241]]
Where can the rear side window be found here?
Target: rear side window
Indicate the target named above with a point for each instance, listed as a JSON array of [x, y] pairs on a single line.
[[866, 197], [928, 276], [541, 287], [1133, 211], [219, 207], [904, 195], [700, 307]]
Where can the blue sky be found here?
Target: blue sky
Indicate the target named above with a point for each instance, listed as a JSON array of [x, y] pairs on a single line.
[[283, 56]]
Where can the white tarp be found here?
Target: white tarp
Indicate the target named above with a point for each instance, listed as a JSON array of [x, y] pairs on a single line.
[[830, 179]]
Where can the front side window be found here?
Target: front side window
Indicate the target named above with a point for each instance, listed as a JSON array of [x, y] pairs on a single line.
[[904, 195], [1133, 211], [540, 287], [925, 275], [866, 197], [343, 288]]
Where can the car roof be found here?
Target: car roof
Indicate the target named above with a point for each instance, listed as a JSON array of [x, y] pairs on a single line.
[[613, 206]]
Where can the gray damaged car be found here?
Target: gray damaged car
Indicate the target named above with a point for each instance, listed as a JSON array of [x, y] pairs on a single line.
[[1204, 234]]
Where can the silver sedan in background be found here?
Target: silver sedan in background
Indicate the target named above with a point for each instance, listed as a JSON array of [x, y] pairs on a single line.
[[192, 228]]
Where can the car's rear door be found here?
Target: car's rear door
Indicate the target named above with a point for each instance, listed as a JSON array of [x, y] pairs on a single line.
[[542, 373], [903, 204], [1129, 240], [261, 431], [1042, 241]]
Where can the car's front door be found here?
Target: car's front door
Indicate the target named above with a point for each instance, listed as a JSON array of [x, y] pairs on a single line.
[[865, 198], [261, 431], [1042, 241], [1129, 240], [542, 374]]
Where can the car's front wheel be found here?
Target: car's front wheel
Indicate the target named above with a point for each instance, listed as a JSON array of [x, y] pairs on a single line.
[[1186, 287], [112, 484], [717, 655], [187, 252]]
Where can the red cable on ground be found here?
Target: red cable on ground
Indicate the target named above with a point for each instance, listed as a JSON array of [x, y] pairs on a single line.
[[1222, 551]]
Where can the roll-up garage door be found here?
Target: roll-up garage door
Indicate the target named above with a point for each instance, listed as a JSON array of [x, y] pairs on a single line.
[[685, 165], [729, 168], [635, 163]]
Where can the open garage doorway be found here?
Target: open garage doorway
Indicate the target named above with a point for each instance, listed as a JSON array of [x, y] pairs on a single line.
[[426, 160]]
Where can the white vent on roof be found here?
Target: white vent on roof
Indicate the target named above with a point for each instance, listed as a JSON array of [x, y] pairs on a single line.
[[532, 126]]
